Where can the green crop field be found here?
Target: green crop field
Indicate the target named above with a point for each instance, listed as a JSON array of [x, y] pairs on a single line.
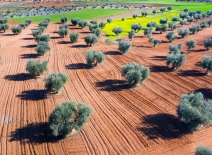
[[83, 14], [126, 24]]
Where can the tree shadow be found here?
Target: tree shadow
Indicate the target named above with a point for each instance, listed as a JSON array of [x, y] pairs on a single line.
[[112, 53], [199, 50], [7, 34], [164, 41], [64, 42], [55, 37], [79, 46], [112, 85], [28, 38], [55, 32], [191, 73], [30, 46], [207, 92], [161, 58], [33, 95], [32, 55], [198, 64], [162, 125], [18, 77], [36, 133], [78, 66], [160, 69]]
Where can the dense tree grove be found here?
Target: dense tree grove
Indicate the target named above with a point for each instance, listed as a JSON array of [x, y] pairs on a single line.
[[69, 116], [36, 68], [93, 58], [195, 111], [135, 73], [175, 57], [55, 81]]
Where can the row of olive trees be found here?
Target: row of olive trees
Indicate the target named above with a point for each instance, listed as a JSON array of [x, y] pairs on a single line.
[[17, 29]]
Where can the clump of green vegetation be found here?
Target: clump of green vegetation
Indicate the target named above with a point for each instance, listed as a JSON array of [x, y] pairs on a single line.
[[93, 58], [91, 39], [16, 30], [124, 46], [37, 68], [74, 37]]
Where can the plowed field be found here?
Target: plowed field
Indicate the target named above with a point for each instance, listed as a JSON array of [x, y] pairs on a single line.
[[139, 120]]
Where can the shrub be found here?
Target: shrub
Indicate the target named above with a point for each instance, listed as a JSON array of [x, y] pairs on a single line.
[[44, 38], [191, 44], [97, 32], [169, 8], [82, 23], [154, 41], [171, 36], [16, 30], [160, 28], [163, 21], [135, 73], [75, 21], [74, 37], [109, 20], [207, 63], [208, 43], [195, 111], [136, 27], [4, 27], [124, 46], [175, 57], [36, 68], [202, 150], [101, 25], [183, 33], [90, 39], [117, 30], [63, 32], [68, 116], [172, 26], [42, 47], [131, 34], [93, 58], [55, 81]]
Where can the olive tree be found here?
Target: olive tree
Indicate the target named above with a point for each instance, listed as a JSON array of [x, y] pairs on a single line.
[[202, 150], [117, 30], [91, 39], [163, 21], [151, 24], [36, 68], [109, 20], [135, 16], [44, 37], [136, 27], [183, 33], [172, 26], [93, 58], [175, 57], [182, 22], [69, 116], [102, 25], [42, 47], [75, 21], [203, 24], [131, 34], [64, 19], [169, 8], [160, 28], [82, 23], [74, 37], [135, 73], [4, 27], [208, 43], [194, 111], [207, 63], [148, 31], [171, 36], [154, 41], [63, 32], [55, 81], [190, 45], [209, 22], [16, 30], [124, 46]]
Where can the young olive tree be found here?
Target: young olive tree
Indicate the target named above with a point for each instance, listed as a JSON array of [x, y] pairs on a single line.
[[172, 26], [207, 64], [44, 38], [190, 45], [69, 116], [148, 31], [117, 30], [171, 36], [16, 30], [91, 39], [203, 24], [55, 81], [183, 33], [163, 21], [154, 41], [36, 68], [63, 32], [75, 21], [160, 28], [151, 24], [131, 34], [124, 46], [136, 27], [42, 47], [208, 43], [195, 111], [109, 20], [135, 73], [4, 27], [74, 37], [169, 8], [93, 58], [64, 19], [82, 23], [202, 150], [102, 25]]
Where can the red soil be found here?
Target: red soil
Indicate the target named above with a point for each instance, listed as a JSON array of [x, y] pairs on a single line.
[[140, 120]]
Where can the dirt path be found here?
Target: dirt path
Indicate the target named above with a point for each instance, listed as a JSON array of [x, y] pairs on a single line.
[[141, 120]]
